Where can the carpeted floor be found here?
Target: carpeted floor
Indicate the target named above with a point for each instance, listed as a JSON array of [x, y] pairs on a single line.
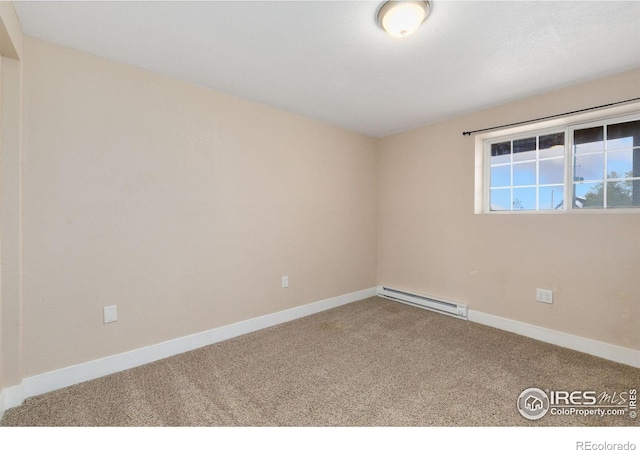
[[369, 363]]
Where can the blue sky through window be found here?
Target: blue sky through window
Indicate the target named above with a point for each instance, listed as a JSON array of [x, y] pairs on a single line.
[[515, 166], [529, 173]]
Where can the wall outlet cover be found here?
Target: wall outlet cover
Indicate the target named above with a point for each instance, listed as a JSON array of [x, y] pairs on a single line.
[[110, 314], [544, 295]]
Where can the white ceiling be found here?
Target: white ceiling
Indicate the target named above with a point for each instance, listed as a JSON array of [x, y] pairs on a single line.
[[331, 61]]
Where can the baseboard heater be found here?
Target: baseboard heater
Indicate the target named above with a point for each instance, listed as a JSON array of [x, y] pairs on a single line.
[[431, 303]]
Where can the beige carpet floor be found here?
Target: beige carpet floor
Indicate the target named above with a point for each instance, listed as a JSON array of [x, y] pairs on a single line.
[[369, 363]]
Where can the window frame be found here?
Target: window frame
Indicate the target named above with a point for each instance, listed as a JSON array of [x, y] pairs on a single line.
[[604, 123], [515, 137], [568, 125]]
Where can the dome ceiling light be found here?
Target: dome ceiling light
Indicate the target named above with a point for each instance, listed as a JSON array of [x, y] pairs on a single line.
[[402, 18]]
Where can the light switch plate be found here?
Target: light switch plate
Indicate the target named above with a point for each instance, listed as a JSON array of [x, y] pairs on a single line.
[[110, 314]]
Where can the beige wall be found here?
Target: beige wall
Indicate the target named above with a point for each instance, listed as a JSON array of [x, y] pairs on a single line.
[[181, 205], [431, 242], [11, 36], [1, 272], [184, 207], [10, 220], [10, 196]]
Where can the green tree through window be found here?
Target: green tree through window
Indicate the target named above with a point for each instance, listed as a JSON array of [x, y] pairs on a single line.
[[619, 193]]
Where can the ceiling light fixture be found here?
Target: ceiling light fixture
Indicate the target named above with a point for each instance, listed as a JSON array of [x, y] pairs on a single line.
[[401, 18]]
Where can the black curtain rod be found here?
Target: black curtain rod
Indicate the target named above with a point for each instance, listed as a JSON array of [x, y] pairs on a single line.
[[469, 133]]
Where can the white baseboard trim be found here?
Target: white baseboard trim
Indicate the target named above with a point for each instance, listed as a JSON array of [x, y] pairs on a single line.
[[68, 376], [611, 352], [10, 397]]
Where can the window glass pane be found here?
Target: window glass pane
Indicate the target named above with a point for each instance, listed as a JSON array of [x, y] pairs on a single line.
[[501, 152], [524, 149], [552, 171], [501, 200], [620, 194], [524, 198], [588, 140], [551, 140], [551, 145], [588, 195], [551, 197], [623, 135], [620, 163], [557, 150], [524, 174], [635, 193], [588, 167], [501, 176]]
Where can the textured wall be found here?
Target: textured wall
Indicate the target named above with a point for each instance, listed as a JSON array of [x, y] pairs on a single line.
[[10, 112], [10, 221], [1, 272], [185, 206], [181, 205], [430, 241]]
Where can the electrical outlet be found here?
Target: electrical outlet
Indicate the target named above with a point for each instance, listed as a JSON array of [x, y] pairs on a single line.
[[285, 281], [544, 295], [110, 314]]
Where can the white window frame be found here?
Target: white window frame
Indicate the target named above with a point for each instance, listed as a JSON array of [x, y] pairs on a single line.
[[567, 125], [487, 167]]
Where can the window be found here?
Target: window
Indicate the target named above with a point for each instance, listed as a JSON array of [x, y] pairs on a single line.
[[527, 173], [576, 167], [606, 165]]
